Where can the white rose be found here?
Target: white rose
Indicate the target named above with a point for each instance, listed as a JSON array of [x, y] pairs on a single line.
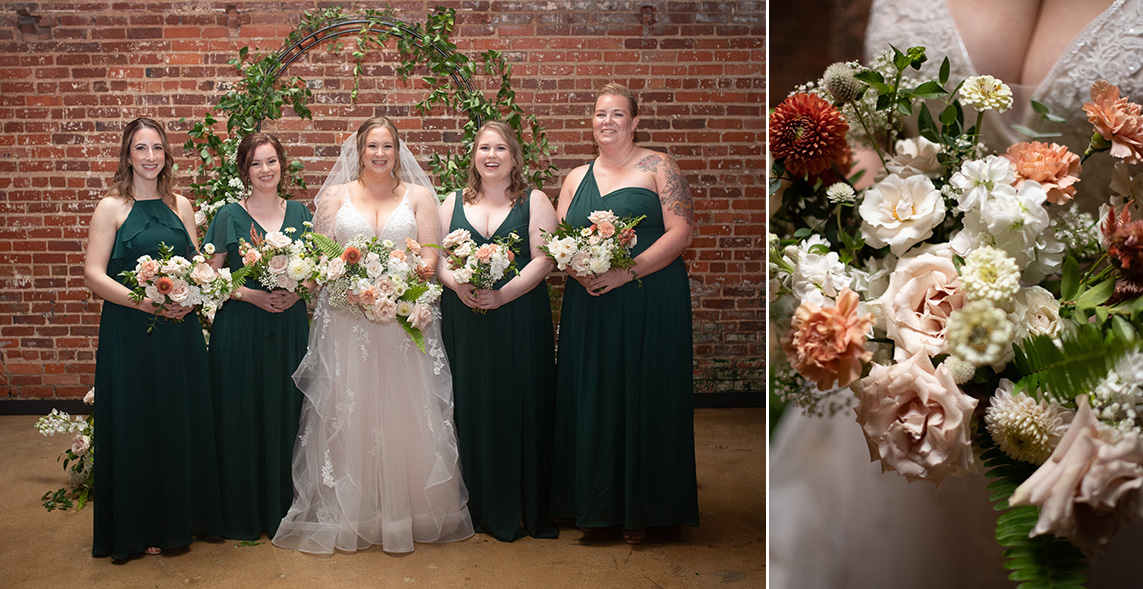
[[916, 156], [181, 291], [278, 264], [199, 218], [334, 269], [601, 216], [1035, 312], [203, 273], [462, 275], [901, 212], [208, 249], [278, 240]]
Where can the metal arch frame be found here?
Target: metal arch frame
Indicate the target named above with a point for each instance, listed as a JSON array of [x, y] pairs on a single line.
[[353, 25]]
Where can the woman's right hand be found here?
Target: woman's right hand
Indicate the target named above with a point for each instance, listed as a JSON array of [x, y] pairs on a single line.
[[259, 298], [172, 311], [467, 294]]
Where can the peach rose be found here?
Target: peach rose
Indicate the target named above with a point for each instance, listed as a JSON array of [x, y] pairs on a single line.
[[1117, 120], [385, 286], [916, 420], [180, 290], [923, 291], [603, 217], [828, 345], [1050, 164], [1105, 477], [203, 273], [421, 316], [385, 310]]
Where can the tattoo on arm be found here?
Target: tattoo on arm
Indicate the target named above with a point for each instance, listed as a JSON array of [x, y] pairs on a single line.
[[648, 164], [676, 194]]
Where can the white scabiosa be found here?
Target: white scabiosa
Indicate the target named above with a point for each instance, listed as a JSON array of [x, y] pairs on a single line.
[[1024, 428], [960, 370], [840, 193], [991, 275], [981, 334]]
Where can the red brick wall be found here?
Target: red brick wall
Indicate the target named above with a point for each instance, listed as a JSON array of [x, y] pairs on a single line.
[[72, 73]]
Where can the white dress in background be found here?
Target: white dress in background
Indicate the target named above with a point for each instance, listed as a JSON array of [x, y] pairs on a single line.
[[835, 521], [376, 460]]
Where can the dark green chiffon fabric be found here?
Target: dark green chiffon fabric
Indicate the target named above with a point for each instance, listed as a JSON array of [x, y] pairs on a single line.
[[503, 371], [253, 355], [624, 437], [157, 479]]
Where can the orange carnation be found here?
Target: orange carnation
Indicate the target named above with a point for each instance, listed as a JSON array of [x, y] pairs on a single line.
[[1050, 164], [828, 345], [1117, 120]]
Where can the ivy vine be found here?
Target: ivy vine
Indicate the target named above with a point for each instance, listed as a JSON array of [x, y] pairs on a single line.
[[262, 94]]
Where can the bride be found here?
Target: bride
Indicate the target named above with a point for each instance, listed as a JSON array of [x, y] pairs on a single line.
[[376, 461]]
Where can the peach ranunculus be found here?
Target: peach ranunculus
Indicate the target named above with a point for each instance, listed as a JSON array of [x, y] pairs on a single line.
[[827, 345], [916, 420], [1090, 485], [1117, 120], [923, 292], [165, 284], [1050, 164]]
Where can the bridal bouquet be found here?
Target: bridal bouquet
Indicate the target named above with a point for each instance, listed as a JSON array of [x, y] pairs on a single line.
[[962, 304], [375, 279], [276, 261], [173, 279], [481, 266], [78, 460], [595, 249]]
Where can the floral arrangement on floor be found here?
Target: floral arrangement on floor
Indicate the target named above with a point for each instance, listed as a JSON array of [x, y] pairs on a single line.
[[481, 266], [375, 279], [595, 249], [78, 460], [174, 279], [276, 261], [962, 305]]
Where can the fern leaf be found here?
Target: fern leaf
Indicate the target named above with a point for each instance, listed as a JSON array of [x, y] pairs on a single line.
[[327, 245], [1070, 368]]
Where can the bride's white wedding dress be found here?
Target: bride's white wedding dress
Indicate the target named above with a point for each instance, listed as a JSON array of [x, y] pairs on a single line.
[[835, 520], [376, 460]]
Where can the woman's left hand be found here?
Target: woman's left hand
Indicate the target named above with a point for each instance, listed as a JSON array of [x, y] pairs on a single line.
[[281, 300], [608, 281], [489, 299], [426, 272]]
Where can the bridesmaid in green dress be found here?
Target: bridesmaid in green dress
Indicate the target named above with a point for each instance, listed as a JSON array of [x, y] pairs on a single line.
[[624, 438], [503, 363], [157, 483], [257, 342]]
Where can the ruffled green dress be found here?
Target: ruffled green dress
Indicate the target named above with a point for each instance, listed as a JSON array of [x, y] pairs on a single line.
[[503, 370], [624, 437], [156, 483], [253, 355]]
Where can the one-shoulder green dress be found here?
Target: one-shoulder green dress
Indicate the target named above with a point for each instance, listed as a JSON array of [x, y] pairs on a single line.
[[156, 482], [624, 445], [253, 354], [503, 374]]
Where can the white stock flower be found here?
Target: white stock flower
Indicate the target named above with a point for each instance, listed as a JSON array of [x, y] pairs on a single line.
[[916, 156], [1117, 400], [901, 212], [1025, 429], [817, 273], [976, 180]]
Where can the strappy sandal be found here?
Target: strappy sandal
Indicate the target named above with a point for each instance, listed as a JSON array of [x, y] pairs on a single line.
[[153, 550], [635, 536]]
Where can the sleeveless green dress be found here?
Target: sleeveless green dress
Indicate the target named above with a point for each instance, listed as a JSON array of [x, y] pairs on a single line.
[[624, 438], [503, 374], [157, 479], [253, 355]]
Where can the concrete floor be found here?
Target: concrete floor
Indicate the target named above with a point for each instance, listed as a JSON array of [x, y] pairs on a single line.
[[41, 549]]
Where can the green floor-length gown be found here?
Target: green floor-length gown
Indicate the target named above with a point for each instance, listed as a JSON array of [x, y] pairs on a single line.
[[503, 370], [624, 437], [253, 354], [156, 482]]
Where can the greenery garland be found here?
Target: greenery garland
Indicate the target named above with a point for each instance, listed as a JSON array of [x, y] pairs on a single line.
[[260, 94]]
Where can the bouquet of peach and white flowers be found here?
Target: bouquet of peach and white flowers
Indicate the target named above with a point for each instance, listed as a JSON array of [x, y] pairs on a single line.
[[595, 249], [373, 278], [172, 279], [481, 266], [962, 304], [78, 460], [276, 261]]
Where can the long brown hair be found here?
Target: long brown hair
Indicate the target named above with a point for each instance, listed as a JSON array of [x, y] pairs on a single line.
[[123, 181], [245, 157], [518, 188], [362, 138]]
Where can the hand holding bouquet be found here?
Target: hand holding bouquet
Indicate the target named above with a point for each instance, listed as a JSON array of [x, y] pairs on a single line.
[[375, 279], [481, 266], [277, 262], [595, 249], [174, 280]]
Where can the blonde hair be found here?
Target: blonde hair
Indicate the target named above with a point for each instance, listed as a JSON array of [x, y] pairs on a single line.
[[615, 89], [123, 183], [517, 188], [245, 157], [363, 135]]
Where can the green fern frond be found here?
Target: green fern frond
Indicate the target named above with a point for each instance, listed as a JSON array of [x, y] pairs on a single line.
[[327, 245], [1038, 562], [1070, 368]]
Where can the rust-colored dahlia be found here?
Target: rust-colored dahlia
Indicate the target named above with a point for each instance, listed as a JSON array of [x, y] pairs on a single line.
[[1117, 120], [807, 134], [1124, 239]]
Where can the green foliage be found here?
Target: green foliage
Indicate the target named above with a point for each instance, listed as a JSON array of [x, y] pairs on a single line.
[[1043, 561], [1073, 366]]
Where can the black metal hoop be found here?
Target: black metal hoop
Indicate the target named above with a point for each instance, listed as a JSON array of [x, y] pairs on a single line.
[[351, 26]]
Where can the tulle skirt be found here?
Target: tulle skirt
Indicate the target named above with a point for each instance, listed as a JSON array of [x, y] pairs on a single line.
[[376, 459]]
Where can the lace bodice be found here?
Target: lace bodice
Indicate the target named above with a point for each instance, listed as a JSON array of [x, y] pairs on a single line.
[[1108, 48], [401, 224]]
